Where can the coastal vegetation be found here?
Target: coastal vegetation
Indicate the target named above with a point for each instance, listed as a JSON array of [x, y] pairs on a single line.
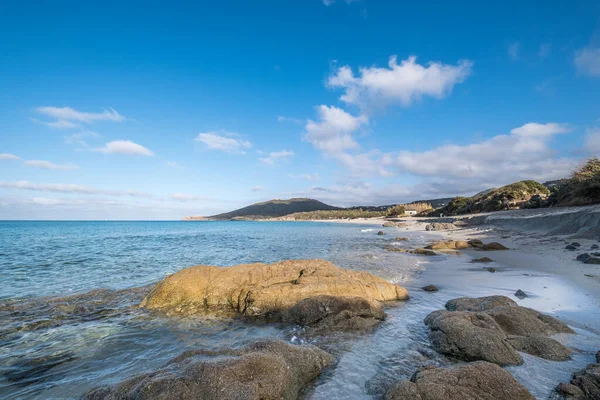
[[582, 188], [335, 214]]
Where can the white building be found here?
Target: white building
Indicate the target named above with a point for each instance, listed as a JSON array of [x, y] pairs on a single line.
[[410, 212]]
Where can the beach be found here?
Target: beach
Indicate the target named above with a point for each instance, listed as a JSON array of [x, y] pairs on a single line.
[[72, 353]]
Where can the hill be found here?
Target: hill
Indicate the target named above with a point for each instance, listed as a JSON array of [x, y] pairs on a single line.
[[275, 208], [582, 188], [515, 195]]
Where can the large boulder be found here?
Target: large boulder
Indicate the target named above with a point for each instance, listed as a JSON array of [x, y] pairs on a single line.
[[541, 346], [585, 384], [476, 381], [470, 336], [493, 246], [266, 370], [264, 290], [512, 318]]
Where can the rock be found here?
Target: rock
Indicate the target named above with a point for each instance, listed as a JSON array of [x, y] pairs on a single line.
[[470, 336], [423, 252], [584, 385], [482, 260], [583, 257], [430, 288], [479, 303], [490, 269], [513, 319], [520, 294], [576, 244], [540, 346], [400, 239], [595, 247], [569, 390], [493, 246], [570, 247], [263, 290], [328, 313], [475, 243], [269, 369], [381, 233], [392, 224], [448, 245], [592, 260], [440, 226], [598, 357], [596, 254], [477, 381]]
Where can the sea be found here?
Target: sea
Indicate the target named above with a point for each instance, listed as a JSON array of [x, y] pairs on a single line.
[[70, 290]]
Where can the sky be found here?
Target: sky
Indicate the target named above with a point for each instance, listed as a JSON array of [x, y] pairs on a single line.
[[158, 110]]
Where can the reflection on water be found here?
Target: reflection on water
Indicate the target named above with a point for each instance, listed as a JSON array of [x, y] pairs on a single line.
[[57, 346]]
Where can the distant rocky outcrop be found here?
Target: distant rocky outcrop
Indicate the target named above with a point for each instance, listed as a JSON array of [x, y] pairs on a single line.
[[478, 380], [585, 384], [515, 195], [275, 208], [312, 292], [269, 369], [492, 329]]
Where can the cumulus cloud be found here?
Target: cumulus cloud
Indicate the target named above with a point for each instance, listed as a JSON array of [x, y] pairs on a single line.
[[8, 156], [126, 147], [69, 188], [224, 141], [275, 156], [68, 114], [402, 83], [49, 165], [523, 154], [332, 133], [587, 61]]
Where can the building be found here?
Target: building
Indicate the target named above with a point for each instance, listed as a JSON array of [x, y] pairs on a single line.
[[410, 212]]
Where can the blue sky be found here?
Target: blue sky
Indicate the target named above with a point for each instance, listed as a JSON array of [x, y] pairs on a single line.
[[157, 110]]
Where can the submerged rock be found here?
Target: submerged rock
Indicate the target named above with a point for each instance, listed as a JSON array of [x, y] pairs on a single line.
[[570, 247], [478, 380], [430, 288], [482, 260], [595, 247], [381, 233], [470, 336], [490, 269], [400, 239], [592, 260], [264, 290], [475, 243], [269, 369], [493, 246]]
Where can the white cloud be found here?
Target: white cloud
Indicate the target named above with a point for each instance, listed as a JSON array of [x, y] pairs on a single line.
[[124, 147], [327, 3], [306, 177], [592, 142], [513, 50], [224, 141], [333, 132], [187, 197], [257, 189], [172, 164], [534, 129], [58, 124], [68, 114], [401, 83], [587, 61], [8, 156], [69, 188], [79, 138], [276, 156], [49, 165], [524, 154]]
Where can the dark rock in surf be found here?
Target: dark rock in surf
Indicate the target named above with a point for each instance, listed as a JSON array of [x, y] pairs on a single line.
[[430, 288], [482, 260], [520, 294]]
